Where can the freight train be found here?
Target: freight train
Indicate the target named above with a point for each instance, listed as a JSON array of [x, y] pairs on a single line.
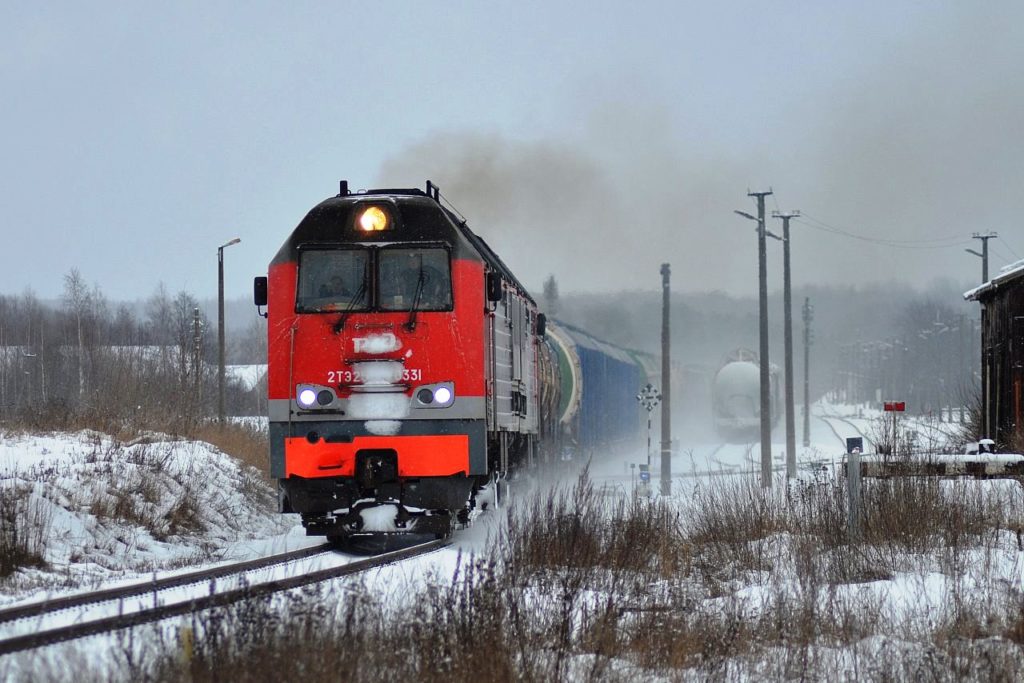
[[409, 369], [736, 396]]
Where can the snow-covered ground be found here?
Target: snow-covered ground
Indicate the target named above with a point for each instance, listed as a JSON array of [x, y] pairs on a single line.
[[113, 511], [248, 376], [119, 511], [78, 481]]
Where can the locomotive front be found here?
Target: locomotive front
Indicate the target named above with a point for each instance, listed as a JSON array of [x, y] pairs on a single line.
[[376, 365]]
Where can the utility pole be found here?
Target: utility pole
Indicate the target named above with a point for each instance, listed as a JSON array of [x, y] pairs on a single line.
[[762, 285], [808, 317], [788, 314], [666, 387], [984, 252], [197, 358]]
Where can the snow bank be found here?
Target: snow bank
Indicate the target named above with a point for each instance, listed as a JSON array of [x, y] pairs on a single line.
[[116, 507]]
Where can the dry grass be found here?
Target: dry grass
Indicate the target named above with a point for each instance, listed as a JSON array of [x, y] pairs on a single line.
[[24, 527], [733, 582], [248, 445]]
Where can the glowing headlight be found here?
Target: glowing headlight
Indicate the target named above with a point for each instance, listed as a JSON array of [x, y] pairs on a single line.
[[373, 219], [436, 396], [307, 397]]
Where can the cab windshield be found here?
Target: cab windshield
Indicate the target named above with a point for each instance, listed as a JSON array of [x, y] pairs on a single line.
[[333, 280], [414, 279], [403, 278]]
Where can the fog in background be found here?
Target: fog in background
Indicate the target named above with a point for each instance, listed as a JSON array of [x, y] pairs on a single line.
[[913, 149]]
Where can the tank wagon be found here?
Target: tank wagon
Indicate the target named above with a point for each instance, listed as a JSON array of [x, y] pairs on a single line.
[[597, 390], [736, 396]]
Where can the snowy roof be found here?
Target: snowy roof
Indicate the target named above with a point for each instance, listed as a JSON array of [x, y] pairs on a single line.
[[1006, 274]]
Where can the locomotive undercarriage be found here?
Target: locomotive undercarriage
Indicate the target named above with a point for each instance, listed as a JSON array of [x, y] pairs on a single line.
[[342, 506]]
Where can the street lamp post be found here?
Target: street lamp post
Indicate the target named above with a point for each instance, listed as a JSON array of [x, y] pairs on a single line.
[[220, 327], [762, 281]]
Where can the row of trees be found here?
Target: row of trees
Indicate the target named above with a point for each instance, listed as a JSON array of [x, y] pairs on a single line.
[[87, 358], [931, 362]]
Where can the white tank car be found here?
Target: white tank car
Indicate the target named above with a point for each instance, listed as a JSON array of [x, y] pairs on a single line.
[[736, 396]]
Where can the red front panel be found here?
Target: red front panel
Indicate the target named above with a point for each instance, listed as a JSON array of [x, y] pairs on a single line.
[[444, 346], [418, 456]]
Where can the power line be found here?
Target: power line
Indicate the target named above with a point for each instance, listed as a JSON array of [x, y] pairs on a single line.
[[934, 240], [849, 233], [1007, 245], [1003, 257], [934, 243]]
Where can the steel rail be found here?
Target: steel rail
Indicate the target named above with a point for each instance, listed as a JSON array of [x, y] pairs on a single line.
[[832, 427], [41, 608], [868, 441], [58, 635]]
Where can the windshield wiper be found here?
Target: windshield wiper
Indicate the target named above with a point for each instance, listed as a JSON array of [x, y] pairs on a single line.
[[356, 298], [420, 281]]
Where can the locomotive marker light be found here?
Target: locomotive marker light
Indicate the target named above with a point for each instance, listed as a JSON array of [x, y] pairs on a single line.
[[373, 219], [436, 396], [313, 397], [649, 398], [307, 397]]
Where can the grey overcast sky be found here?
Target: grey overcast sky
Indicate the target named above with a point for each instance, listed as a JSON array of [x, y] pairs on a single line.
[[592, 140]]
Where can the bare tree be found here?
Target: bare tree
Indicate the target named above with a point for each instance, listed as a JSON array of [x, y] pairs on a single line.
[[77, 301]]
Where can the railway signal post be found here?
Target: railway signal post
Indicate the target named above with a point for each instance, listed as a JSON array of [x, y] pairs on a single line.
[[649, 398], [894, 407]]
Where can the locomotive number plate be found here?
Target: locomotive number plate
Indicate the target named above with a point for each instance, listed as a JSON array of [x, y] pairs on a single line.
[[355, 377]]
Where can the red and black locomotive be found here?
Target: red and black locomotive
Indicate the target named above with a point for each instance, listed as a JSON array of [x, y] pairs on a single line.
[[403, 365]]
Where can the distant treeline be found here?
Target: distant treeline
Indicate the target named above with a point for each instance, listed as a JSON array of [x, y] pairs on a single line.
[[887, 340], [84, 360]]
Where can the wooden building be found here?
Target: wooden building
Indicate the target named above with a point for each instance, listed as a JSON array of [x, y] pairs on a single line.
[[1002, 357]]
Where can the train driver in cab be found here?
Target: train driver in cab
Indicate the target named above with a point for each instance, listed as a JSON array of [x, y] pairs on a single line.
[[334, 288]]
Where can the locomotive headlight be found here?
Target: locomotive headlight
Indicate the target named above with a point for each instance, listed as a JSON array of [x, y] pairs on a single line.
[[443, 395], [307, 397], [436, 396], [373, 219]]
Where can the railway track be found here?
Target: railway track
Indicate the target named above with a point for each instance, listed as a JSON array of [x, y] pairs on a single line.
[[158, 612], [827, 419]]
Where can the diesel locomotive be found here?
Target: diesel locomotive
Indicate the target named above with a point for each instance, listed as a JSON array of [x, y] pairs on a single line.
[[408, 369]]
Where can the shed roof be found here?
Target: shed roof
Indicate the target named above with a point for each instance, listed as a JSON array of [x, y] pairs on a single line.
[[1006, 275]]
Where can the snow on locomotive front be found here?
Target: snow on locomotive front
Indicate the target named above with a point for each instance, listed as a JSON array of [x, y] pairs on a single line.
[[402, 365]]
